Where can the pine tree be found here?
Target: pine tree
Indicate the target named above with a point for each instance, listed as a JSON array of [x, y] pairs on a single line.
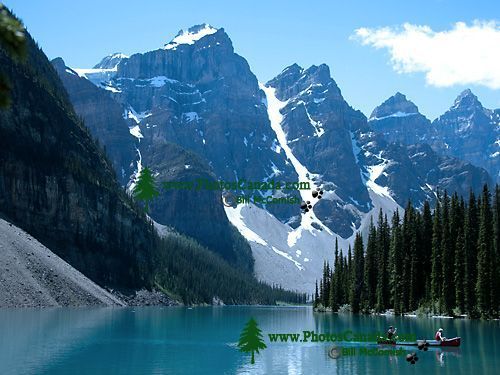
[[357, 274], [436, 275], [321, 291], [145, 187], [335, 295], [426, 246], [484, 283], [459, 271], [346, 277], [332, 303], [496, 250], [471, 225], [325, 292], [383, 244], [447, 273], [316, 295], [349, 273], [410, 262], [370, 271], [396, 260]]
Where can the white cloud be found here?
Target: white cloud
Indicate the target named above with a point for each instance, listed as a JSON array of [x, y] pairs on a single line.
[[462, 55]]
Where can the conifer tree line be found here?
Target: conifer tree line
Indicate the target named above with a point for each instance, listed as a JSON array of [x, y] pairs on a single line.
[[440, 261]]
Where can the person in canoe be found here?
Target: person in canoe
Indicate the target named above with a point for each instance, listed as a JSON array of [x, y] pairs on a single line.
[[439, 335], [391, 332]]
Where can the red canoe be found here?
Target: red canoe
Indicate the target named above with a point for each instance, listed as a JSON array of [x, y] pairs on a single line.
[[448, 342], [451, 342]]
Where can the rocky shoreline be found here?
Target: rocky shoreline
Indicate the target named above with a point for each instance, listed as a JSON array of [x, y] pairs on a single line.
[[33, 276]]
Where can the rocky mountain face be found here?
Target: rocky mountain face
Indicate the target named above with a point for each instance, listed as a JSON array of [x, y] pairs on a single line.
[[470, 132], [467, 131], [317, 125], [194, 108], [332, 140], [399, 120], [201, 95], [103, 116]]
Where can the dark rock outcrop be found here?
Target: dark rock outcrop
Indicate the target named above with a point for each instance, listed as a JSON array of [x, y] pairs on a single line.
[[56, 184], [195, 213], [103, 116]]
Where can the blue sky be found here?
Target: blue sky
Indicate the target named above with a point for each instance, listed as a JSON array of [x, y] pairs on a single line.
[[273, 34]]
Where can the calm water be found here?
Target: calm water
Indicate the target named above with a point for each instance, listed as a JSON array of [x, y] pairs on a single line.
[[202, 341]]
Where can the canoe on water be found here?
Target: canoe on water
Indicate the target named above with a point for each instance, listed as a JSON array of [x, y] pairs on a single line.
[[448, 342]]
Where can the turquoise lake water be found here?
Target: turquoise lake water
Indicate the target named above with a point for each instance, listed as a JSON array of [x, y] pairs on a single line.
[[203, 340]]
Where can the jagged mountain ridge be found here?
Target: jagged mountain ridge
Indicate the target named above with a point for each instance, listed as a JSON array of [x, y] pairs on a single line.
[[394, 117], [196, 92], [467, 130], [471, 132]]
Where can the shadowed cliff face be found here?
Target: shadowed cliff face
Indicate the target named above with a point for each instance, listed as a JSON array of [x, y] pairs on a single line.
[[56, 184], [104, 118], [196, 213]]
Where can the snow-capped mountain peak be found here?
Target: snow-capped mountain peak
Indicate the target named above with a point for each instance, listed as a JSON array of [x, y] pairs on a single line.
[[467, 100], [111, 61], [396, 106], [191, 35]]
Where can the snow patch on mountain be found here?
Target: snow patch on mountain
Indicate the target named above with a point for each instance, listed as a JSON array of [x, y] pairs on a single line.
[[137, 172], [130, 113], [317, 125], [295, 267], [98, 77], [374, 172], [190, 36], [136, 131], [235, 217], [160, 81], [300, 261], [111, 61], [396, 114], [191, 116], [274, 106]]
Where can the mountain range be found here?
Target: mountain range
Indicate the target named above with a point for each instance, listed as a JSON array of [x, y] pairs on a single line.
[[194, 109], [70, 223]]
